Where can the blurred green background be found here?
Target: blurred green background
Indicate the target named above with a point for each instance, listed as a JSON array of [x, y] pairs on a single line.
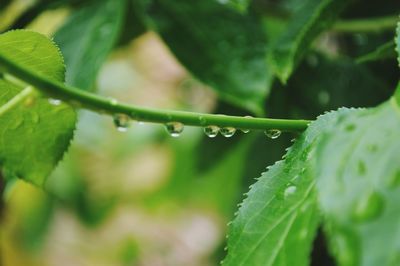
[[143, 198]]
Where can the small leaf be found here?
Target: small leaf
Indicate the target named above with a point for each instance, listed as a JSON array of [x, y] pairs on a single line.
[[277, 222], [34, 134], [308, 22], [221, 47], [357, 166], [87, 38]]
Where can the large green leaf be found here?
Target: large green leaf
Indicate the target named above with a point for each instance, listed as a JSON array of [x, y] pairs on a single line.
[[220, 46], [277, 222], [87, 38], [308, 22], [34, 134], [358, 181]]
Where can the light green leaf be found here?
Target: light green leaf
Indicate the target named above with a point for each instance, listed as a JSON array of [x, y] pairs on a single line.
[[87, 38], [33, 134], [221, 47], [397, 40], [358, 182], [308, 22], [277, 222]]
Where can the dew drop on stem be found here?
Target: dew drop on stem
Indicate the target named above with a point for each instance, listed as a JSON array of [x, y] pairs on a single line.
[[272, 133], [228, 132], [174, 129], [55, 102], [122, 122], [211, 131], [245, 130]]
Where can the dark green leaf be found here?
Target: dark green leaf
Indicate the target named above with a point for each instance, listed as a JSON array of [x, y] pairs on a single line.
[[358, 181], [277, 222], [307, 23], [218, 45], [87, 38], [34, 133]]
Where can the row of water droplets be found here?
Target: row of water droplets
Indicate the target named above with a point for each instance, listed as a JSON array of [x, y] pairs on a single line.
[[175, 129]]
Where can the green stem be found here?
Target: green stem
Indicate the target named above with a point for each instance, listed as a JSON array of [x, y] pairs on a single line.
[[366, 25], [105, 105]]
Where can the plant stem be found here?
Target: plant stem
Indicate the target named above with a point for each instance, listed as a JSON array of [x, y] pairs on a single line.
[[367, 25], [111, 106]]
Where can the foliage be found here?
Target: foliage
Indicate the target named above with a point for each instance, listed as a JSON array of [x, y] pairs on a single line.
[[295, 59]]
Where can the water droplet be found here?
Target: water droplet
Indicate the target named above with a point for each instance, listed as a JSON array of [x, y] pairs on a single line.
[[290, 190], [55, 102], [228, 132], [244, 130], [174, 128], [368, 207], [113, 102], [272, 133], [211, 131], [122, 122]]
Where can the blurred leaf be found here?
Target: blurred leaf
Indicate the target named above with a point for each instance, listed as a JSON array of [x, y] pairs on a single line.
[[308, 22], [35, 10], [323, 84], [87, 38], [240, 5], [33, 209], [397, 40], [277, 222], [358, 182], [4, 3], [386, 50], [221, 47], [34, 133], [133, 27]]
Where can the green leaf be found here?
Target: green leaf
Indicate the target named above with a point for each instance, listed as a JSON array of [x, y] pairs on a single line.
[[34, 134], [308, 22], [221, 47], [277, 222], [357, 165], [397, 40], [87, 38]]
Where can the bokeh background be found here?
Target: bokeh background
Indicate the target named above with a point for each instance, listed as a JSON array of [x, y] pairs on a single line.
[[143, 198]]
